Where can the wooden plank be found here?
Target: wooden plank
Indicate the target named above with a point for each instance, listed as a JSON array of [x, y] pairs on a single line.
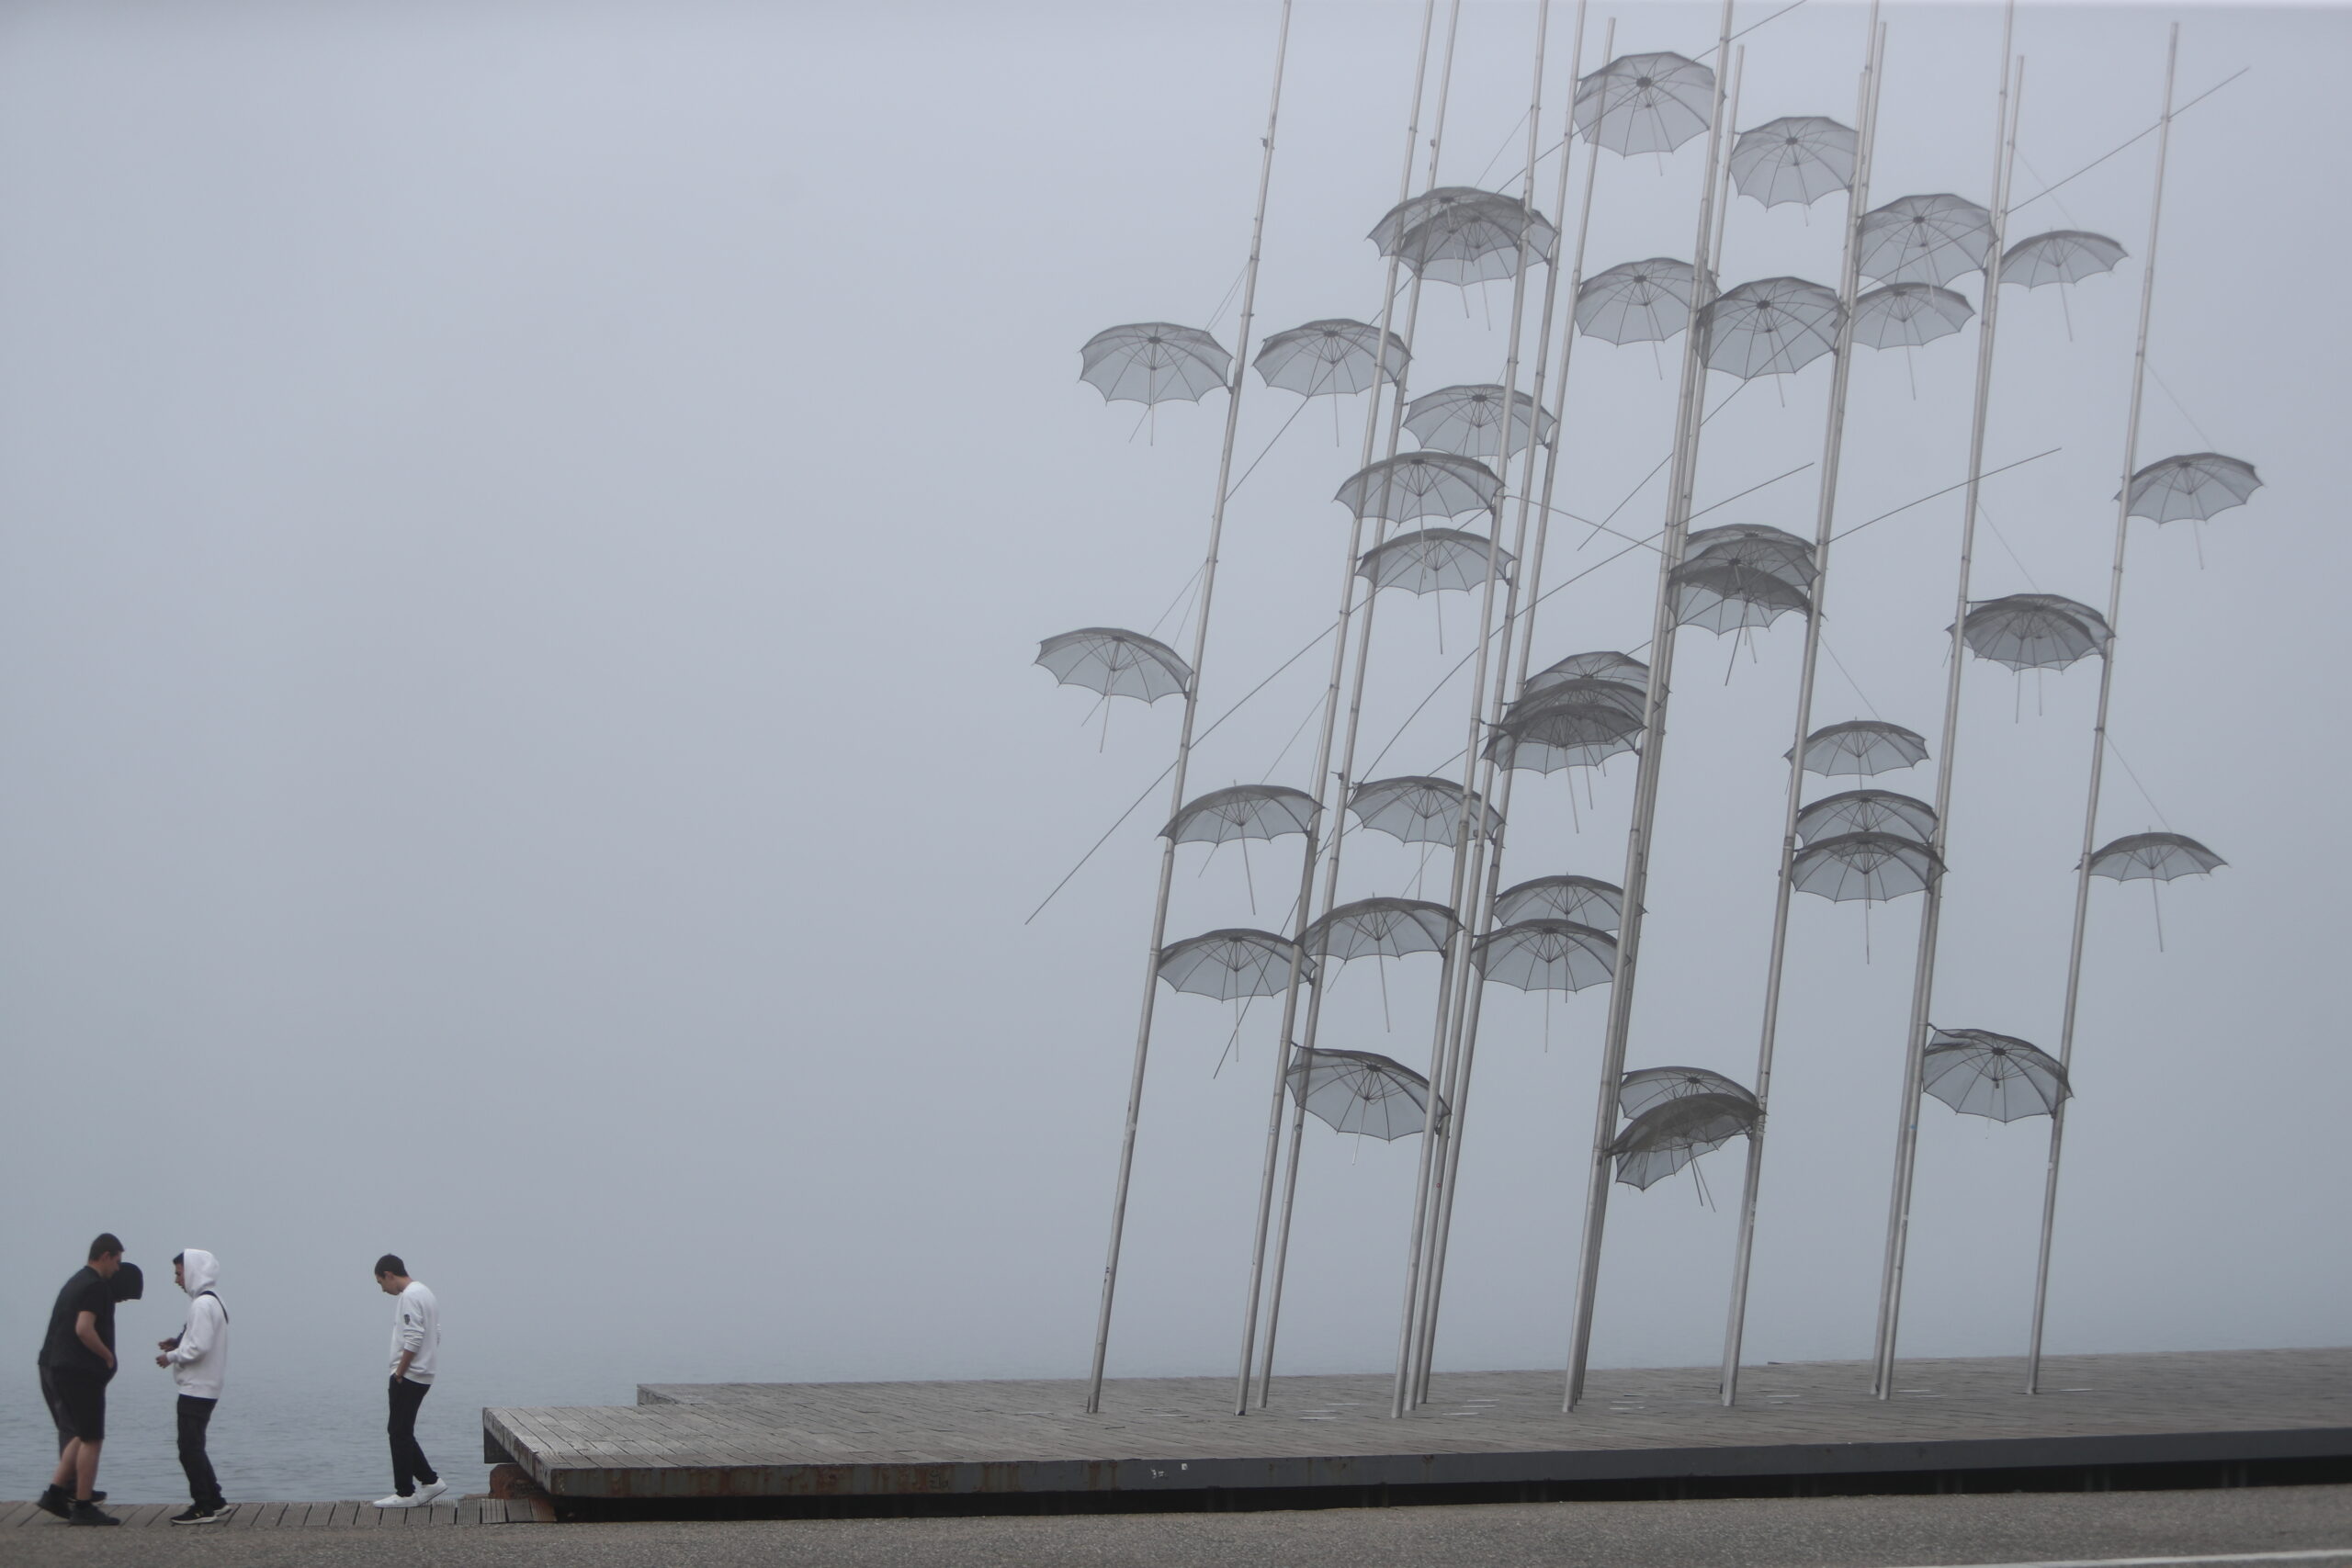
[[347, 1514], [15, 1514], [255, 1516]]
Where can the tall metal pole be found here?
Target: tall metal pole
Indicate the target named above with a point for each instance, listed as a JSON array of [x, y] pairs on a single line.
[[1184, 734], [1324, 776], [1857, 201], [1652, 752], [2098, 727], [1923, 979], [1495, 785], [1445, 1074]]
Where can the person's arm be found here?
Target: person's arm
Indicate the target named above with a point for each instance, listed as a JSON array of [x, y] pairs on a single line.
[[411, 1337], [85, 1329], [202, 1332]]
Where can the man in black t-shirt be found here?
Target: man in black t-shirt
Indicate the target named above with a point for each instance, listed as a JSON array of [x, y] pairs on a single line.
[[76, 1360]]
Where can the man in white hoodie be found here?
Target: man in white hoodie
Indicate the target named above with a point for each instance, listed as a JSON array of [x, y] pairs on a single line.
[[199, 1357], [416, 1355]]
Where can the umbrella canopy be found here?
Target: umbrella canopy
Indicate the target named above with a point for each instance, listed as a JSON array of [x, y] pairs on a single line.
[[1671, 1134], [2154, 857], [1546, 955], [1419, 810], [1429, 560], [1799, 158], [1381, 928], [1582, 899], [1466, 420], [1872, 868], [1361, 1091], [1333, 356], [1639, 1092], [1645, 103], [1725, 595], [2063, 255], [1906, 315], [1925, 239], [1116, 663], [1244, 811], [1775, 550], [1773, 326], [1572, 724], [1462, 235], [2194, 485], [1620, 667], [1978, 1073], [2034, 631], [1231, 964], [1414, 485], [1862, 746], [1867, 811], [1641, 301], [1622, 696], [1153, 362]]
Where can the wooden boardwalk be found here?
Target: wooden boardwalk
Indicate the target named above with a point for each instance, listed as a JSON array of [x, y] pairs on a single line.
[[304, 1515], [707, 1440]]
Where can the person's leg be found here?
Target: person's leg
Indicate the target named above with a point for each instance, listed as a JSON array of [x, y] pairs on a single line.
[[56, 1410], [408, 1459], [417, 1461], [85, 1467], [68, 1457], [203, 1486]]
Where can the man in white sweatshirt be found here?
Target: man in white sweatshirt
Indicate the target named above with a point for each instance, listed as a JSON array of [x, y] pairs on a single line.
[[199, 1357], [416, 1353]]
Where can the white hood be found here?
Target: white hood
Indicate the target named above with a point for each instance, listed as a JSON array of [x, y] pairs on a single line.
[[199, 1270], [200, 1361]]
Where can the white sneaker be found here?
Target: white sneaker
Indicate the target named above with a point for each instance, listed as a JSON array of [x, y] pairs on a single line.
[[395, 1501], [428, 1490]]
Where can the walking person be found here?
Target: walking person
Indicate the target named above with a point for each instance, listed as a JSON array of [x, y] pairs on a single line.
[[199, 1357], [76, 1360], [126, 1284], [416, 1348]]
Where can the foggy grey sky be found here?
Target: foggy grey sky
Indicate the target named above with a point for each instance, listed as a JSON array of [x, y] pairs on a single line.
[[522, 531]]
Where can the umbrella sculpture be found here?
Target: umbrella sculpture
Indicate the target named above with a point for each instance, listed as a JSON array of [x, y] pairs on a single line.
[[1361, 1091], [1867, 811], [1244, 811], [2155, 857], [1908, 315], [1782, 553], [1925, 239], [1872, 868], [1381, 928], [1728, 595], [1335, 355], [1978, 1073], [1799, 158], [1645, 103], [1230, 963], [1619, 667], [1648, 1087], [1429, 560], [1116, 663], [1546, 955], [1153, 362], [1774, 326], [1460, 234], [1568, 724], [1414, 485], [2195, 485], [1584, 899], [2034, 631], [1464, 420], [2063, 255], [1669, 1135], [1641, 301], [1862, 746], [1419, 810], [1624, 696]]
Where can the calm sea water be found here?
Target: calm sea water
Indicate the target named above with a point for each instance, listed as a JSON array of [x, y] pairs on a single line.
[[280, 1434]]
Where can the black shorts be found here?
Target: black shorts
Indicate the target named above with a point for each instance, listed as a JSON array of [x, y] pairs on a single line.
[[83, 1398]]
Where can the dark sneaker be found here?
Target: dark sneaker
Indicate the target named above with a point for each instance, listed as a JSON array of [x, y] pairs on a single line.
[[201, 1515], [55, 1501], [91, 1514]]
